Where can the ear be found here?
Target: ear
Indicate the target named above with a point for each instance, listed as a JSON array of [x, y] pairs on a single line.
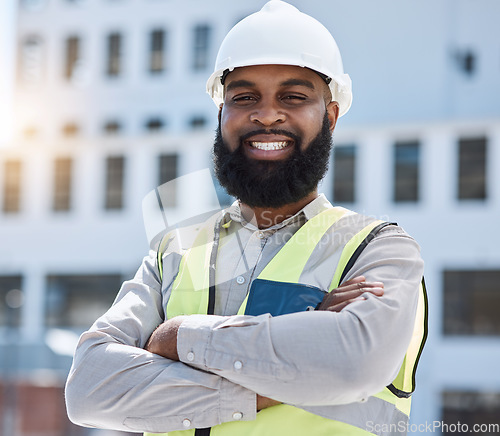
[[332, 110], [220, 111]]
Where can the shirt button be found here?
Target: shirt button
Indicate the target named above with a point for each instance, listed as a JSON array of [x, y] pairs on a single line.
[[190, 356], [260, 235], [186, 423], [238, 365], [240, 280], [237, 415]]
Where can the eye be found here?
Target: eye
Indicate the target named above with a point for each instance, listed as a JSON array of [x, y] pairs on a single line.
[[243, 99], [294, 98]]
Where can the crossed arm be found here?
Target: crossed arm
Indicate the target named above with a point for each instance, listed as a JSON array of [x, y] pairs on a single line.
[[163, 341], [311, 358]]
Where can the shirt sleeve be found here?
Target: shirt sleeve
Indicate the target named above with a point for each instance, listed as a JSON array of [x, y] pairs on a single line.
[[114, 383], [319, 358]]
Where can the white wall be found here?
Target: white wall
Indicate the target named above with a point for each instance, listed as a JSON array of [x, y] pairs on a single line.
[[400, 55], [7, 38]]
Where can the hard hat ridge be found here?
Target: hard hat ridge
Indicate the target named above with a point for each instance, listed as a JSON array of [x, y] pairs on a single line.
[[274, 5], [279, 34]]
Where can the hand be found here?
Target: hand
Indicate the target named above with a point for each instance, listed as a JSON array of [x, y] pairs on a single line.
[[163, 340], [349, 292], [264, 402]]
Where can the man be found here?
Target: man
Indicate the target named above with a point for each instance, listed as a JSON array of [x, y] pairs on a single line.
[[235, 333]]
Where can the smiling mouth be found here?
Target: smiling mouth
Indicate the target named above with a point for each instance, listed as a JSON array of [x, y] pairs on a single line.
[[269, 146]]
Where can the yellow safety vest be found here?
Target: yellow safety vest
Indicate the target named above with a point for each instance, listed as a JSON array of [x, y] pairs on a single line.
[[384, 413]]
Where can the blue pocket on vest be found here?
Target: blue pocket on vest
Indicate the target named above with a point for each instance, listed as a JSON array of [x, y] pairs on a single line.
[[279, 298]]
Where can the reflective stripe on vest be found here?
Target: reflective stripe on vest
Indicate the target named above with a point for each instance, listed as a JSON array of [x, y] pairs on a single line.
[[384, 413]]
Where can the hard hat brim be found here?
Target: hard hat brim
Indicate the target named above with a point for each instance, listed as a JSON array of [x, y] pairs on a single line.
[[340, 87]]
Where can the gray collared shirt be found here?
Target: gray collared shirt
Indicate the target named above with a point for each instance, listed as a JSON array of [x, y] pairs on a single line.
[[308, 359]]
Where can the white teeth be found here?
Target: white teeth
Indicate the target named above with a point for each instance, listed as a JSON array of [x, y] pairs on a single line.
[[269, 145]]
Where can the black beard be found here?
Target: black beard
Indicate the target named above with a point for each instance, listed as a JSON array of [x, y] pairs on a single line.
[[273, 184]]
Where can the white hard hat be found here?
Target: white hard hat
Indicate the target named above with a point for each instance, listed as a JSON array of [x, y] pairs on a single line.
[[279, 34]]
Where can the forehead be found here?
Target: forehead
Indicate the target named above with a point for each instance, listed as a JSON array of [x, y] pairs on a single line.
[[274, 76]]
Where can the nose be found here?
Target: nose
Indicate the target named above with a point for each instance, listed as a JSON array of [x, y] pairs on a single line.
[[267, 115]]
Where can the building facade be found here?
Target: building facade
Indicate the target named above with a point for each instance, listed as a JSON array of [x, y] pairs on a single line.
[[108, 104]]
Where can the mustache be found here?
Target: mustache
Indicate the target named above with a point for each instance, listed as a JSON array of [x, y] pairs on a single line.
[[282, 132]]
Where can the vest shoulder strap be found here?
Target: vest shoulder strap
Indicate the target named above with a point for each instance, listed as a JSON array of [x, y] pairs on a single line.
[[199, 235], [359, 249], [404, 384]]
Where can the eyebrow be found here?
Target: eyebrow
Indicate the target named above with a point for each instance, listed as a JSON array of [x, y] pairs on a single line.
[[290, 82], [298, 82], [239, 84]]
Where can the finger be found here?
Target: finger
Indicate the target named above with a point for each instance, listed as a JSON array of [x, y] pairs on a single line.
[[339, 297], [333, 299], [357, 286], [358, 292], [359, 282], [369, 285], [347, 293], [340, 306], [358, 279]]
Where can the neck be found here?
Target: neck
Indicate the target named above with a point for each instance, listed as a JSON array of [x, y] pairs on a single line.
[[265, 217]]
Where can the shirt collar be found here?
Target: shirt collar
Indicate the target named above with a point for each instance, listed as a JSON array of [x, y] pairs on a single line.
[[315, 207]]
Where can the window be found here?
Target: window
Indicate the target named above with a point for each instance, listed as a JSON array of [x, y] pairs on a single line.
[[406, 171], [154, 124], [12, 186], [10, 300], [114, 60], [62, 184], [472, 299], [168, 172], [466, 61], [31, 60], [470, 409], [472, 169], [70, 129], [30, 132], [112, 127], [201, 47], [115, 168], [33, 5], [157, 60], [78, 300], [344, 174], [72, 56], [197, 122]]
